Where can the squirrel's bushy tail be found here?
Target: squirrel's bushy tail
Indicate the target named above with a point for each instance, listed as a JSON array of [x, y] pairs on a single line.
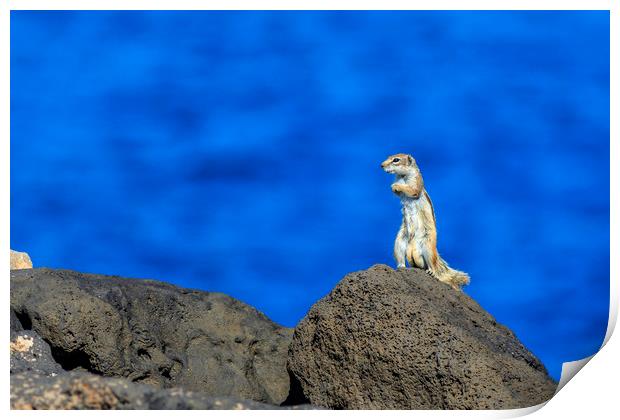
[[444, 273]]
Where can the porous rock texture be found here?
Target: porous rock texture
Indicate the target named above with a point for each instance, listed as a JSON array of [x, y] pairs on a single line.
[[82, 390], [153, 333], [399, 339]]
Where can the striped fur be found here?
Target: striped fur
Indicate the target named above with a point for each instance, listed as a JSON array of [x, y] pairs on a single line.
[[416, 241]]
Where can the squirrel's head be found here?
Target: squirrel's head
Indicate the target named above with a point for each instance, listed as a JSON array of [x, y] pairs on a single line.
[[400, 164]]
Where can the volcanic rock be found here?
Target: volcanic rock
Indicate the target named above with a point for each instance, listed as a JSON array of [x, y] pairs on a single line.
[[154, 333], [400, 339], [82, 390], [29, 353]]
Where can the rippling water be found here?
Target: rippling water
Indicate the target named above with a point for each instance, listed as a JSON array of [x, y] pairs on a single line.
[[239, 152]]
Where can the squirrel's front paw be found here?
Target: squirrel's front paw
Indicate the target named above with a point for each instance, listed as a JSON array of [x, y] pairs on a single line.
[[396, 188]]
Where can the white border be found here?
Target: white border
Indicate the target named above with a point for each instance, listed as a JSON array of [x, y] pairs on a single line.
[[597, 385]]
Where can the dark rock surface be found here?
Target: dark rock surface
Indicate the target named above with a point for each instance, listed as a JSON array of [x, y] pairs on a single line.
[[81, 390], [153, 333], [15, 324], [403, 340], [29, 353]]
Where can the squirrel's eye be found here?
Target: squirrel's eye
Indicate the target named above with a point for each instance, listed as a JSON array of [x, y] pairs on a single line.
[[396, 160]]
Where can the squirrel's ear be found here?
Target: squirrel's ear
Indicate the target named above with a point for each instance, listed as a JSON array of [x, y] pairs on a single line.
[[410, 159]]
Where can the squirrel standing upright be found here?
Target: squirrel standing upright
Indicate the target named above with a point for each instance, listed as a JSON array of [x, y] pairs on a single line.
[[416, 241]]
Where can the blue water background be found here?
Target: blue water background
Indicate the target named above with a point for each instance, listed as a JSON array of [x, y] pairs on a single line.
[[239, 152]]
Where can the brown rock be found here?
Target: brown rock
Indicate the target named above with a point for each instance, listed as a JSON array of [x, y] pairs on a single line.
[[154, 333], [20, 260], [21, 344], [386, 339]]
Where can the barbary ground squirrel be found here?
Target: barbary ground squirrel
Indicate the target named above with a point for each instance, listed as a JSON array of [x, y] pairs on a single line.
[[416, 241]]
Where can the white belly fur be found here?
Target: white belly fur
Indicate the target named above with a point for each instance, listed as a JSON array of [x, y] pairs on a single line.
[[416, 232]]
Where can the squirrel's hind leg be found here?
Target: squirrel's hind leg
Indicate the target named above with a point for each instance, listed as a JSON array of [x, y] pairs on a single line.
[[400, 247], [414, 256]]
